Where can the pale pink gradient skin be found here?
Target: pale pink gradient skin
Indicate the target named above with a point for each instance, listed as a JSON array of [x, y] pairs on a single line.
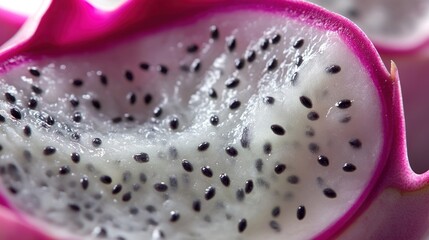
[[9, 24], [84, 27]]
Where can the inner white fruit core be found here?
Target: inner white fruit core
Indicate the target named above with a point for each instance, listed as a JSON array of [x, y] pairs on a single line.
[[293, 184]]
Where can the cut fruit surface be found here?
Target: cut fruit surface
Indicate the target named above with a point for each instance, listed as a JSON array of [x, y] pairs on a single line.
[[212, 128]]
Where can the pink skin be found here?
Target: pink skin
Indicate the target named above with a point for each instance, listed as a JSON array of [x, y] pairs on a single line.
[[9, 24], [47, 35]]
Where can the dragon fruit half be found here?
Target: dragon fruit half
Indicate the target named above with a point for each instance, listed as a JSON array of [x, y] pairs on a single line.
[[202, 120]]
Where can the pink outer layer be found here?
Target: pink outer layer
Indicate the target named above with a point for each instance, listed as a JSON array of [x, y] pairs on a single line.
[[82, 27], [9, 24]]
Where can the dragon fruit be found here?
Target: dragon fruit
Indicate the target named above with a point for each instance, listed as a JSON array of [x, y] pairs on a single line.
[[394, 26], [179, 120]]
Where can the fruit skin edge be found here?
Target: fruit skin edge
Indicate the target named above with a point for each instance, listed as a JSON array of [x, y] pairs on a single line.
[[94, 24]]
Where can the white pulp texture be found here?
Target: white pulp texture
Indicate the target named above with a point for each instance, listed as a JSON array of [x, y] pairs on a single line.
[[36, 184]]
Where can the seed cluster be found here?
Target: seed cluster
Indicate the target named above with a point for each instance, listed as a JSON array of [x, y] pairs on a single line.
[[138, 176]]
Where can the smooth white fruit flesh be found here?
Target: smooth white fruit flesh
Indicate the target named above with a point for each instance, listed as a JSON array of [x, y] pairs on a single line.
[[40, 186]]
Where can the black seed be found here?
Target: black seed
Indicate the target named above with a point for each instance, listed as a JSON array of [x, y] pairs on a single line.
[[74, 101], [242, 225], [346, 119], [209, 193], [333, 69], [343, 104], [250, 55], [298, 43], [144, 66], [234, 104], [313, 147], [231, 151], [148, 98], [312, 116], [323, 160], [74, 207], [33, 71], [105, 179], [64, 170], [240, 195], [330, 193], [132, 98], [225, 179], [300, 212], [192, 48], [264, 44], [203, 146], [10, 98], [195, 65], [306, 101], [232, 82], [293, 179], [269, 100], [174, 216], [160, 187], [259, 164], [141, 157], [196, 205], [32, 103], [267, 148], [298, 60], [275, 226], [96, 142], [278, 130], [355, 143], [309, 131], [157, 112], [75, 136], [248, 187], [272, 64], [49, 150], [84, 183], [244, 141], [173, 182], [134, 211], [212, 93], [239, 63], [231, 43], [50, 120], [12, 190], [214, 32], [349, 167], [142, 177], [126, 197], [279, 168], [276, 211], [187, 165], [294, 77], [174, 123], [276, 38], [129, 75], [207, 171], [77, 117], [16, 113], [162, 69], [77, 82], [128, 117], [75, 157], [96, 104], [150, 209], [2, 119], [27, 131], [103, 78], [214, 120]]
